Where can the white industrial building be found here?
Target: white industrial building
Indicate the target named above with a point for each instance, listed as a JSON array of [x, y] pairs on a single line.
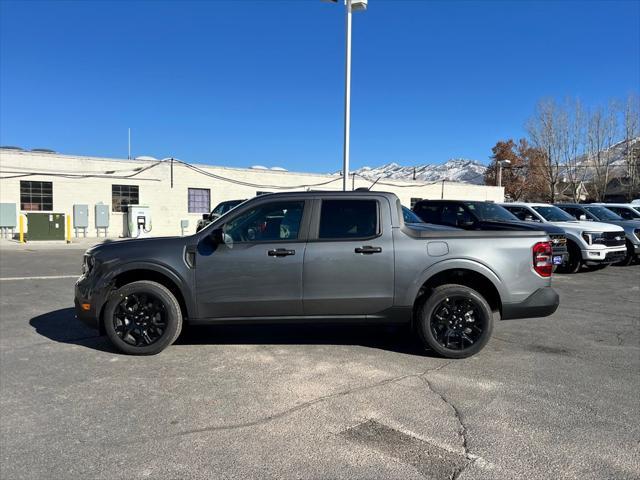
[[40, 181]]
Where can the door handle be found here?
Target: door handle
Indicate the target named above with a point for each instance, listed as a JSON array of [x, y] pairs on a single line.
[[280, 252], [368, 250]]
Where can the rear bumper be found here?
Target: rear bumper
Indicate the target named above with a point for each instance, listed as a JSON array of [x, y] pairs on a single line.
[[541, 303]]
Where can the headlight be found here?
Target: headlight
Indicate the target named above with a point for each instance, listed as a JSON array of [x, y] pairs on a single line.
[[593, 237], [88, 263]]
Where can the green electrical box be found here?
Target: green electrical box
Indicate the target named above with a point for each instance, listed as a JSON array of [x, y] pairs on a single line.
[[45, 226]]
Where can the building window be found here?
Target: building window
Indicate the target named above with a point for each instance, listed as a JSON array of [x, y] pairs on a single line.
[[36, 195], [199, 200], [123, 196], [414, 200]]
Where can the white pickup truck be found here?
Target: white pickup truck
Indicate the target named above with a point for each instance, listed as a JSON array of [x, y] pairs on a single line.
[[589, 243]]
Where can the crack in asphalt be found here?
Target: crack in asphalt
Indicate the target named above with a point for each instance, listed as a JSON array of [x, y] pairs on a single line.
[[307, 404], [462, 430]]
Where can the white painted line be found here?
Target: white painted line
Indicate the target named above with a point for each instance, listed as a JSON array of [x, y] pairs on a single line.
[[51, 277]]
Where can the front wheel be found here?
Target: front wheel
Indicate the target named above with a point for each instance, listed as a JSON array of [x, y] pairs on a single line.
[[574, 262], [455, 321], [142, 318], [628, 259]]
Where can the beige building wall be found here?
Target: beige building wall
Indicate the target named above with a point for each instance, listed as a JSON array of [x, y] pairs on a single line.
[[169, 205]]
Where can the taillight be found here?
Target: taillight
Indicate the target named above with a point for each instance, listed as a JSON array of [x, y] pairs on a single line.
[[542, 263]]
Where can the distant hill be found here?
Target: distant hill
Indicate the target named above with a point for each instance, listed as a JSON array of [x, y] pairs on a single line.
[[454, 170]]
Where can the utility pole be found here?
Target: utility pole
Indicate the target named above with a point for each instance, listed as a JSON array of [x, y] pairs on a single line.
[[351, 5]]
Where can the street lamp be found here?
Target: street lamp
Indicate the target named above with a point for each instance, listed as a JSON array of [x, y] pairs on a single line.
[[351, 6], [501, 163]]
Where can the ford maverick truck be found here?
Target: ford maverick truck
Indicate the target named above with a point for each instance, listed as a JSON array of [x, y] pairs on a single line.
[[318, 257]]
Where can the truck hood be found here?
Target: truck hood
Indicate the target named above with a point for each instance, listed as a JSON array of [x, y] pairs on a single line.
[[114, 247], [588, 226]]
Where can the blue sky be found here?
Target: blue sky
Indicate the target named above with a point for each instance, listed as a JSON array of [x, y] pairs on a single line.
[[240, 83]]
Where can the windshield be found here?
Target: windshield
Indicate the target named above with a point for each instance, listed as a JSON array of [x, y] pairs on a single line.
[[409, 216], [602, 213], [553, 214], [491, 212]]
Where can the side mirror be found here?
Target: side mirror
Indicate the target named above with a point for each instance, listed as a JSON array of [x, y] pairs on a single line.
[[582, 217], [205, 216], [217, 236]]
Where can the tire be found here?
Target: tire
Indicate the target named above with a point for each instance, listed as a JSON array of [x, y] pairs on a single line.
[[151, 304], [628, 260], [574, 262], [449, 302]]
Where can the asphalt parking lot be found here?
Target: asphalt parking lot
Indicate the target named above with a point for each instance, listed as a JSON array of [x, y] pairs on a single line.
[[557, 397]]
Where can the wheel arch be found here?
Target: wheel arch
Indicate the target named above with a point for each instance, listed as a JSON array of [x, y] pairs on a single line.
[[461, 275], [154, 273]]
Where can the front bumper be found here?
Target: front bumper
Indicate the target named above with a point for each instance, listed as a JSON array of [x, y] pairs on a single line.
[[541, 303], [86, 294], [599, 257]]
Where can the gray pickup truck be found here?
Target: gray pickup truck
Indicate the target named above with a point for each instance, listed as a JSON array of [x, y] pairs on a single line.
[[317, 257]]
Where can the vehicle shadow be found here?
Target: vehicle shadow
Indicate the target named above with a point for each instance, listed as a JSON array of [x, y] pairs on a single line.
[[62, 326], [394, 338]]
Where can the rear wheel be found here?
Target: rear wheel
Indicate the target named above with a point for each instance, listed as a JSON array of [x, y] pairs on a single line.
[[455, 321], [142, 318], [574, 262]]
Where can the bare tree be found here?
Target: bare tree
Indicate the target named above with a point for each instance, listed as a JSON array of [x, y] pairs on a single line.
[[631, 118], [544, 131], [572, 143], [602, 130]]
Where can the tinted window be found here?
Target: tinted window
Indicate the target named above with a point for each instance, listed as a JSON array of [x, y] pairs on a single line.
[[602, 213], [429, 213], [523, 214], [488, 211], [553, 214], [574, 212], [626, 213], [348, 219], [269, 222]]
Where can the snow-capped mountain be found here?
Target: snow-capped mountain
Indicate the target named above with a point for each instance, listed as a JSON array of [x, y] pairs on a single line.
[[454, 170]]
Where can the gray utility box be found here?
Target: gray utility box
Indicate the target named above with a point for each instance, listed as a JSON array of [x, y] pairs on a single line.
[[102, 216], [80, 216], [8, 215]]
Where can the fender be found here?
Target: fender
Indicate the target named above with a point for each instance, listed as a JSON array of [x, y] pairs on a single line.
[[453, 264], [161, 268]]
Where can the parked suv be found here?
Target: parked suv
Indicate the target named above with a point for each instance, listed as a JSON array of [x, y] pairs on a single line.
[[473, 215], [317, 257], [589, 243], [601, 214]]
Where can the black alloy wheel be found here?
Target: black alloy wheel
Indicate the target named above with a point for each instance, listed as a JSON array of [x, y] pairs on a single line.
[[456, 323], [140, 319]]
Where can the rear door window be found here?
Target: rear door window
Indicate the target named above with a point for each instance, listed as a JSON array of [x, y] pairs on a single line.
[[348, 219]]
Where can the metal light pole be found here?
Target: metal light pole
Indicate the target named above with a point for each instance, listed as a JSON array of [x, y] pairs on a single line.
[[351, 6], [501, 163]]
